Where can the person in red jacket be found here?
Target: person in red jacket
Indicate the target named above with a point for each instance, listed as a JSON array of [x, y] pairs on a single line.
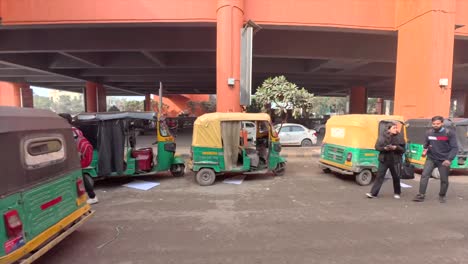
[[86, 156]]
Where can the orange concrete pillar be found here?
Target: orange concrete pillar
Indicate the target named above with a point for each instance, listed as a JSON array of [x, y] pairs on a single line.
[[424, 56], [147, 103], [101, 98], [380, 106], [10, 94], [230, 16], [358, 100], [27, 99], [90, 97]]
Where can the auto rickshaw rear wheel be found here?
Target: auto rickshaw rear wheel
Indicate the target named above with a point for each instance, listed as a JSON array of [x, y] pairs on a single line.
[[178, 170], [205, 177], [89, 179], [280, 169], [326, 170], [364, 177]]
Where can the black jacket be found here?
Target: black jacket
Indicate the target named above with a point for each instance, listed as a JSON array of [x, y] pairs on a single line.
[[390, 155], [442, 145]]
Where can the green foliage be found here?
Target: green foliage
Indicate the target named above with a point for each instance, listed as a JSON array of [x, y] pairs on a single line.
[[329, 105], [64, 104], [208, 106], [122, 104], [284, 96], [254, 106]]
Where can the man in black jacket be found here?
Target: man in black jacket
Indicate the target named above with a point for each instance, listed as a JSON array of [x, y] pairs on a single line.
[[441, 148]]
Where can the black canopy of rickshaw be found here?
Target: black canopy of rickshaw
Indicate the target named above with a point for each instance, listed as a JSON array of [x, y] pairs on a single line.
[[20, 124], [417, 128], [107, 133]]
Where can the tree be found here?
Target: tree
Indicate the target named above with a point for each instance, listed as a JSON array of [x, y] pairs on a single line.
[[284, 97], [208, 106], [42, 102], [254, 106]]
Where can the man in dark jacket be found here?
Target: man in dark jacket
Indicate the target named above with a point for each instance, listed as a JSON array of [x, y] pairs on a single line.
[[441, 148]]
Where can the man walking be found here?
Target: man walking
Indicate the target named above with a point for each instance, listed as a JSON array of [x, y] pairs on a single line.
[[440, 148]]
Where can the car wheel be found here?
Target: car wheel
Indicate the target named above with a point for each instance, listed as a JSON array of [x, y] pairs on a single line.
[[306, 143], [364, 177], [205, 177]]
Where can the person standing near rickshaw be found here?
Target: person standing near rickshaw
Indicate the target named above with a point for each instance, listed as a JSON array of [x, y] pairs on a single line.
[[391, 147], [86, 157], [440, 148]]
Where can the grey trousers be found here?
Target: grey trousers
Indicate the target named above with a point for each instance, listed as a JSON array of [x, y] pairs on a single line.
[[426, 174]]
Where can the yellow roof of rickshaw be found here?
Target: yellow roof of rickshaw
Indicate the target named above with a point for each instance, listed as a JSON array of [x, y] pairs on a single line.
[[359, 131], [207, 127]]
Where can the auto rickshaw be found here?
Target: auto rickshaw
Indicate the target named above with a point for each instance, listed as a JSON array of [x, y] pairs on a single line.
[[42, 194], [349, 144], [219, 145], [416, 131], [114, 141]]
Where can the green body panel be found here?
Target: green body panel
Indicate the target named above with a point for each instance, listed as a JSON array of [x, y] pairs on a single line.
[[165, 158], [28, 204], [209, 159], [274, 157], [178, 160], [214, 158], [415, 153], [361, 158]]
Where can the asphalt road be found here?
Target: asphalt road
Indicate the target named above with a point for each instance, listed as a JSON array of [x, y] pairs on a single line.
[[305, 216]]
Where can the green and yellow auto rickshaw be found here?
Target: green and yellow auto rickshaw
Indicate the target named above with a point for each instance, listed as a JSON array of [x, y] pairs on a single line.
[[219, 145], [349, 144], [416, 131], [42, 194], [113, 136]]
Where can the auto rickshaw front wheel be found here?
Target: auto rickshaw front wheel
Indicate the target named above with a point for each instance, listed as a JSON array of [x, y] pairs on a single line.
[[205, 177], [364, 177], [280, 169], [178, 170]]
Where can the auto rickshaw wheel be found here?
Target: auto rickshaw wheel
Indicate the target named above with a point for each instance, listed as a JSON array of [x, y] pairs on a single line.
[[178, 170], [280, 169], [205, 177], [364, 177], [89, 179], [326, 170], [306, 143]]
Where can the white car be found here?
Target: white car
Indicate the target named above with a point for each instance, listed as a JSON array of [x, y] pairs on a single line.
[[251, 129], [296, 134]]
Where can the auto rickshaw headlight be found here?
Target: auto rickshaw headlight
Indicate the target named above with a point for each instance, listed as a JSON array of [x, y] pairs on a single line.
[[349, 157]]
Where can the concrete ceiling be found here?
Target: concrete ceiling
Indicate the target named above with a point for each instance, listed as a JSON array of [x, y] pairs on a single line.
[[131, 60]]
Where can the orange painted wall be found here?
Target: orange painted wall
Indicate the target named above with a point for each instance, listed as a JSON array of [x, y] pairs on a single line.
[[424, 55], [106, 11], [362, 14], [461, 17], [372, 14], [178, 103], [10, 94]]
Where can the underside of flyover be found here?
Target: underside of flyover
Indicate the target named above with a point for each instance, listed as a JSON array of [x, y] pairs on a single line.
[[133, 59]]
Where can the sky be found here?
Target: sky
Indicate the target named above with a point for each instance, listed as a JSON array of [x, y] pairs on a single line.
[[45, 92]]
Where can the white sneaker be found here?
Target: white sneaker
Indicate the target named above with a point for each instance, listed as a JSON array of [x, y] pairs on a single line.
[[396, 196], [93, 200], [369, 195]]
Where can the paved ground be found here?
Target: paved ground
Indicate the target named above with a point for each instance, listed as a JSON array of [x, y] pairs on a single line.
[[303, 217]]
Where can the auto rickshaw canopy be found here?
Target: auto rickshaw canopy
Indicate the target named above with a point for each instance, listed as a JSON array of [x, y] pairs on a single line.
[[417, 129], [358, 131], [207, 128]]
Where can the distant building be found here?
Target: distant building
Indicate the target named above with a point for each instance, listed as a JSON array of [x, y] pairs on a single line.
[[54, 95]]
